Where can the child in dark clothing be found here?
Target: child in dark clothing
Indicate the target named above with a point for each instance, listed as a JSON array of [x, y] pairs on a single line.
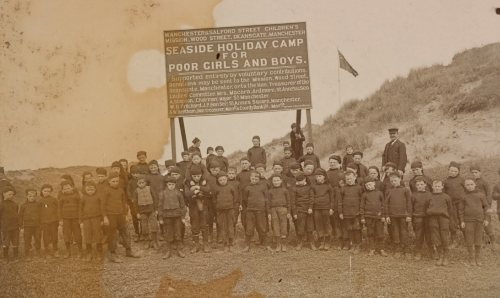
[[142, 164], [420, 200], [225, 198], [288, 160], [69, 205], [309, 169], [231, 180], [29, 216], [146, 201], [361, 169], [472, 213], [483, 186], [86, 177], [91, 217], [49, 220], [373, 216], [454, 187], [243, 179], [348, 157], [438, 212], [196, 161], [256, 154], [418, 172], [9, 218], [279, 206], [223, 162], [374, 173], [335, 178], [302, 203], [323, 206], [255, 197], [197, 194], [310, 156], [172, 210], [186, 159], [210, 156], [113, 209], [398, 211], [349, 209], [212, 211]]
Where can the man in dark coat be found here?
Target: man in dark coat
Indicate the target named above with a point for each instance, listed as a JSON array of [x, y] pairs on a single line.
[[395, 151], [296, 140]]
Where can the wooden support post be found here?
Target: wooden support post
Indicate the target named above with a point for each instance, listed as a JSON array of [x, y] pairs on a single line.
[[172, 139], [309, 125], [297, 121], [183, 134]]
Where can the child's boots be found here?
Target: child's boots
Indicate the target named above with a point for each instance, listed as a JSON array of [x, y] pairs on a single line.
[[278, 244], [247, 244], [156, 244], [6, 253], [477, 259]]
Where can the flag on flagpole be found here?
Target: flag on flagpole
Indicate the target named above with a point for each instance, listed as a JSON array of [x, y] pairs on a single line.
[[345, 65]]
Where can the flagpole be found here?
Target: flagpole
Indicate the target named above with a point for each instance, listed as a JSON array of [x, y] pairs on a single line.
[[338, 78]]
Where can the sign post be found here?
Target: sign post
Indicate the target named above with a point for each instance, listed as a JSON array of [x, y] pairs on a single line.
[[243, 69]]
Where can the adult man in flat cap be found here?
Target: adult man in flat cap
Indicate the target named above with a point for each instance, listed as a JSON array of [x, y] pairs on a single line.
[[395, 151]]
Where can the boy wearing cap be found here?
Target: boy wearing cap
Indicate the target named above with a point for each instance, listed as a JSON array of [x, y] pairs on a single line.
[[225, 197], [256, 154], [302, 203], [195, 148], [172, 210], [146, 200], [418, 173], [309, 169], [69, 205], [186, 159], [142, 164], [398, 211], [49, 219], [255, 197], [113, 209], [279, 206], [197, 194], [348, 157], [9, 218], [91, 218], [420, 200], [439, 211], [196, 161], [323, 207], [310, 156], [454, 187], [349, 210], [473, 218], [484, 187], [169, 164], [29, 216], [372, 215], [223, 162]]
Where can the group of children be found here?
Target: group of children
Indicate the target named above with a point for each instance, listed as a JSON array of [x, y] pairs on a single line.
[[342, 205]]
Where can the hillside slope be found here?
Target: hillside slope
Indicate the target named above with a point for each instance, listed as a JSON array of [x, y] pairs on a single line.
[[445, 112]]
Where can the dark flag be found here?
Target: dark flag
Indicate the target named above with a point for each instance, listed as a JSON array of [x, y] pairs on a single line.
[[345, 65]]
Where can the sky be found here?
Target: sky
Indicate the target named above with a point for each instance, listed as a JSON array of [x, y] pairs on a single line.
[[380, 39], [86, 85]]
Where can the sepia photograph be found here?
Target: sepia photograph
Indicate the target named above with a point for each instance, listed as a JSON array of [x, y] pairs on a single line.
[[235, 148]]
